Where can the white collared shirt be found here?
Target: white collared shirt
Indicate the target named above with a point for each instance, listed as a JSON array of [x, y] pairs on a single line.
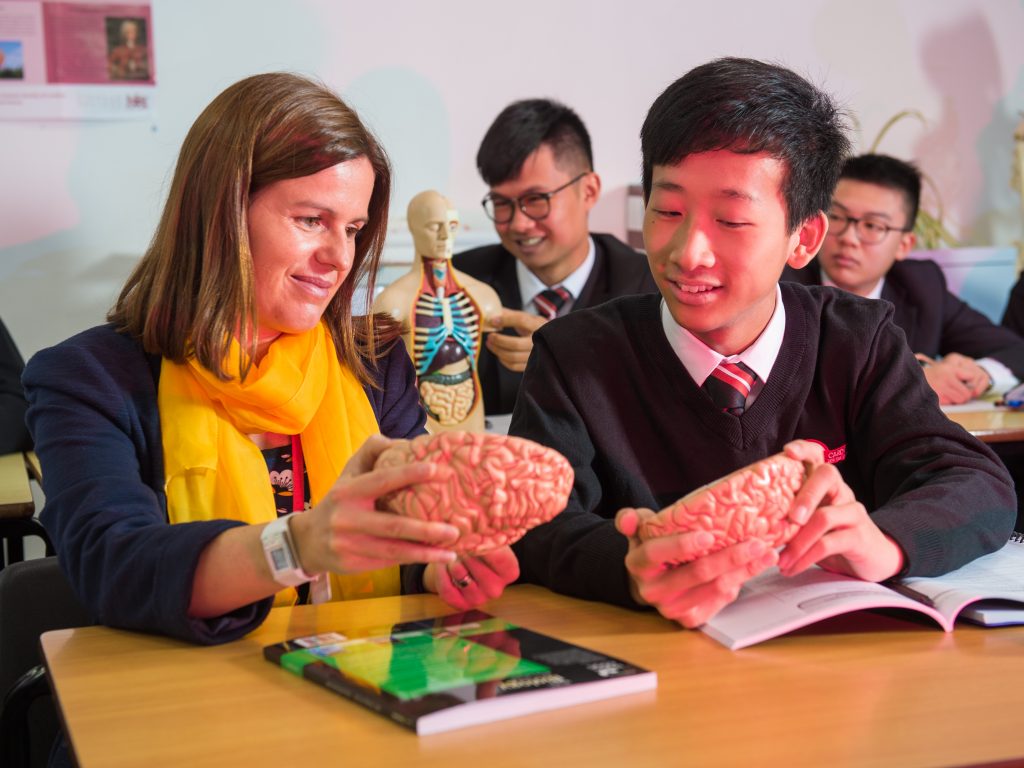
[[530, 285], [874, 293], [700, 360]]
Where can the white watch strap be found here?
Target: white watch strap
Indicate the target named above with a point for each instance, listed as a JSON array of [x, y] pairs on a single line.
[[279, 549]]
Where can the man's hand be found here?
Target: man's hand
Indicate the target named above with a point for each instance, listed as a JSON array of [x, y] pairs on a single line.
[[956, 379], [513, 351], [664, 574]]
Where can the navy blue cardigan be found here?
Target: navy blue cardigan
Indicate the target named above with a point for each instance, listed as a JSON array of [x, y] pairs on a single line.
[[93, 416]]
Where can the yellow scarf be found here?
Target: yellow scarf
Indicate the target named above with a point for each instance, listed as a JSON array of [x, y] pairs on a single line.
[[214, 471]]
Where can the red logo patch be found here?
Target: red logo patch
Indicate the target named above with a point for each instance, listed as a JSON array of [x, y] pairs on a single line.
[[832, 455]]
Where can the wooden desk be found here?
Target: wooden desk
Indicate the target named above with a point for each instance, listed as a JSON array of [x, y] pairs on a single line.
[[897, 694], [993, 425], [15, 493], [35, 469]]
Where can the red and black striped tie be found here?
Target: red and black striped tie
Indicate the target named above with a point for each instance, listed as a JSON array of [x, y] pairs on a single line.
[[549, 301], [729, 386]]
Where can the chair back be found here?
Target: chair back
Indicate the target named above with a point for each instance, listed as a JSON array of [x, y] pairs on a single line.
[[35, 597], [17, 506]]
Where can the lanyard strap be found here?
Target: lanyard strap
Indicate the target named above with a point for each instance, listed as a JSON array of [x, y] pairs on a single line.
[[298, 476], [299, 498]]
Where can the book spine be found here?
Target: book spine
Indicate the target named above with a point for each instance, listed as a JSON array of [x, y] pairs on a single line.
[[330, 678]]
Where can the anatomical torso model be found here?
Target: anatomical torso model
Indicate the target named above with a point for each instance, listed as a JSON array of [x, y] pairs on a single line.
[[443, 313]]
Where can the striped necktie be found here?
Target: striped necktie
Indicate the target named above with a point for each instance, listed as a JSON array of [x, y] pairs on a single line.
[[549, 301], [729, 386]]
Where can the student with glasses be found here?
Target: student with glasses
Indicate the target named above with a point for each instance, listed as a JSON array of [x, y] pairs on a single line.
[[537, 160], [870, 233]]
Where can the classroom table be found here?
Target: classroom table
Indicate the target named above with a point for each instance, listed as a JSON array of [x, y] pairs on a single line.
[[990, 424], [860, 690], [15, 492]]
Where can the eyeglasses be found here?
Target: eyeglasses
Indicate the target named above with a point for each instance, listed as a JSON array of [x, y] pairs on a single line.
[[869, 231], [535, 205]]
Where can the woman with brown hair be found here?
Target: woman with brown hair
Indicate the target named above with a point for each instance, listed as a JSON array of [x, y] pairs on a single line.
[[231, 357]]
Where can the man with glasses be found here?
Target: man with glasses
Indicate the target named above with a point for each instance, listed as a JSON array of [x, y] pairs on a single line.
[[536, 159], [871, 224]]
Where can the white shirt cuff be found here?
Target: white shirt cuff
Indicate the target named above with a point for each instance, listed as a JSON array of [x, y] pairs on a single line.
[[1002, 377]]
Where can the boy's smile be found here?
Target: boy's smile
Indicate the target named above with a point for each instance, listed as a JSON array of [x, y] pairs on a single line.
[[716, 238]]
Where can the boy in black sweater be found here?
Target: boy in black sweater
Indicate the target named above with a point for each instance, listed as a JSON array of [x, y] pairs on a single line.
[[739, 162]]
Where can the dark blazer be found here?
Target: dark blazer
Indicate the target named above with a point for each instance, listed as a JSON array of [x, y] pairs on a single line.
[[13, 432], [618, 271], [935, 321], [1013, 317], [93, 412]]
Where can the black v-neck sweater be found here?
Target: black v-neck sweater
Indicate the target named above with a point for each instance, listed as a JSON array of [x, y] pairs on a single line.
[[604, 387]]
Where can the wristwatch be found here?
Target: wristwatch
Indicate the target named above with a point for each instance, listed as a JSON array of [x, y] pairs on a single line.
[[280, 552]]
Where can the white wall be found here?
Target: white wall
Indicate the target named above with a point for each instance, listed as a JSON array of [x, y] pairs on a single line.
[[79, 201]]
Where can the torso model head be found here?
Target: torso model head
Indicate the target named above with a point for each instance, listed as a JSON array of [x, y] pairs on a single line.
[[433, 222]]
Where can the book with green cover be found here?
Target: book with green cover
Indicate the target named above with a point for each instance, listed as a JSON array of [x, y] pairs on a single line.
[[452, 671]]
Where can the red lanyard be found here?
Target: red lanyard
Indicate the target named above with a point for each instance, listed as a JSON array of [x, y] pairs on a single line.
[[298, 476], [319, 589]]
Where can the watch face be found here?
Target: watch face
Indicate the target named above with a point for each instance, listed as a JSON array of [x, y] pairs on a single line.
[[281, 561]]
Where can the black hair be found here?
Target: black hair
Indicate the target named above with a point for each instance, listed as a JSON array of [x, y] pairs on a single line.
[[521, 128], [891, 173], [748, 106]]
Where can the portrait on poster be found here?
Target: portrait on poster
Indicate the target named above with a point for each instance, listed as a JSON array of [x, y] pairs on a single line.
[[127, 48]]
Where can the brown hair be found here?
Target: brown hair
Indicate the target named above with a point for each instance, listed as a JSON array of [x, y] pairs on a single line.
[[193, 289]]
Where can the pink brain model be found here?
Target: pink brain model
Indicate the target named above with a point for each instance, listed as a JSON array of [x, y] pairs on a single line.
[[750, 503], [499, 488]]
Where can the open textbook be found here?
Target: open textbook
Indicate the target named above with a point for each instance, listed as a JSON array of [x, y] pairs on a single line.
[[989, 591], [452, 671]]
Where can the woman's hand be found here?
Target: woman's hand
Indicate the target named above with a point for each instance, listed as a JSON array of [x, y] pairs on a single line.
[[346, 533], [472, 581]]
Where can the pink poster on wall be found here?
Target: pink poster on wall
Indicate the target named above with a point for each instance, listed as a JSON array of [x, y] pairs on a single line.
[[76, 59]]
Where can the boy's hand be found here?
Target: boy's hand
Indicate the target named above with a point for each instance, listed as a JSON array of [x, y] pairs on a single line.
[[693, 592], [957, 379], [837, 533], [513, 351]]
